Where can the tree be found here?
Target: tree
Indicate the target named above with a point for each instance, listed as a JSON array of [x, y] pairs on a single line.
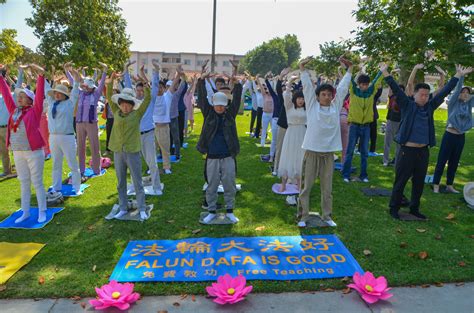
[[29, 56], [403, 31], [86, 32], [328, 61], [10, 49], [274, 55]]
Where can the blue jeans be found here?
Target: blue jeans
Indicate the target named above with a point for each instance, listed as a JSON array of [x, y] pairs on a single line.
[[362, 133]]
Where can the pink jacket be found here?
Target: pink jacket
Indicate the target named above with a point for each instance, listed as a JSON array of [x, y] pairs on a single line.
[[32, 117], [189, 102]]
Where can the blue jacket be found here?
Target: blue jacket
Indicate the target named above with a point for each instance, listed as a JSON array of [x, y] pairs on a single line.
[[408, 108]]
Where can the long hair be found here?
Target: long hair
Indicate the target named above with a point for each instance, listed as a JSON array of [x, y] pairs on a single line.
[[296, 95]]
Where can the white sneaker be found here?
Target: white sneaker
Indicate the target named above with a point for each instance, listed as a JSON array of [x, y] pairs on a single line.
[[157, 193], [209, 218], [385, 164], [301, 224], [330, 223], [143, 215], [167, 171], [291, 200], [232, 217], [365, 180], [120, 214], [346, 180]]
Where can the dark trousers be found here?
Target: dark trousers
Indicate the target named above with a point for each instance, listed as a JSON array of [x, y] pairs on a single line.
[[450, 151], [252, 119], [181, 121], [174, 137], [373, 136], [259, 122], [411, 163], [108, 131]]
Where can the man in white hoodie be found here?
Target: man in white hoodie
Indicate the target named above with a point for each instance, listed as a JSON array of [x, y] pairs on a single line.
[[322, 139]]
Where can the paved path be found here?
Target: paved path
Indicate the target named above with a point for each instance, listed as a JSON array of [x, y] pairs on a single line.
[[449, 298]]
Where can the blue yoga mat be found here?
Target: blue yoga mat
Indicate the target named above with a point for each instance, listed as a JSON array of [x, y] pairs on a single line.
[[32, 221], [338, 167], [68, 191], [89, 173], [159, 159]]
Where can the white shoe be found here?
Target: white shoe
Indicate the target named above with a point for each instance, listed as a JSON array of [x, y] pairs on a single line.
[[157, 193], [41, 216], [365, 180], [167, 171], [232, 217], [291, 200], [346, 180], [331, 223], [209, 218], [120, 214], [301, 224], [385, 164], [23, 217], [143, 215]]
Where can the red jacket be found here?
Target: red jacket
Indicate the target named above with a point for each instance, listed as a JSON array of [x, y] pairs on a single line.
[[32, 117]]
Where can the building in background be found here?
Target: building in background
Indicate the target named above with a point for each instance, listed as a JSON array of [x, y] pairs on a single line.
[[191, 62]]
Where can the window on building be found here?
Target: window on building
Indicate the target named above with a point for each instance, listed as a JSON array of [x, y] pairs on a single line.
[[166, 60], [187, 62], [156, 60], [200, 63], [226, 63]]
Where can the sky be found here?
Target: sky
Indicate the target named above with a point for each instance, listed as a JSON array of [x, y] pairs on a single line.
[[186, 26]]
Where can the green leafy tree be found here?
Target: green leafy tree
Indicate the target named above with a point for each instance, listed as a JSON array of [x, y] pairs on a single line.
[[86, 32], [403, 32], [274, 55], [10, 49], [29, 56], [327, 62]]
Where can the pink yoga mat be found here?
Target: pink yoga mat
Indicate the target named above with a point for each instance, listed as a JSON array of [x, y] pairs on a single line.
[[290, 189]]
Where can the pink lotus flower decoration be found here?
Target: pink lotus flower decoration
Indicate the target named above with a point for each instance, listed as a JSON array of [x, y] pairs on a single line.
[[370, 288], [114, 294], [228, 289]]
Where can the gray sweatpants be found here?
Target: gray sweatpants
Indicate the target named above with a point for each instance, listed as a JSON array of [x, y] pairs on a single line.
[[149, 154], [390, 132], [220, 170], [133, 161]]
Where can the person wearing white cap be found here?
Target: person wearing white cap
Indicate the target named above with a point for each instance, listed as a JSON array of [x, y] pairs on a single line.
[[61, 132], [24, 141], [126, 144], [219, 141]]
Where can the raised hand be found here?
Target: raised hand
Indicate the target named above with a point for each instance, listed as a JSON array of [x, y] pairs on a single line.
[[305, 61], [345, 62], [462, 70], [37, 69], [203, 68], [419, 66], [234, 64], [75, 74], [383, 68], [440, 70], [156, 65], [104, 66]]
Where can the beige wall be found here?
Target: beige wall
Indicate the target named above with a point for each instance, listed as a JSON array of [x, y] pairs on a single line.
[[194, 59]]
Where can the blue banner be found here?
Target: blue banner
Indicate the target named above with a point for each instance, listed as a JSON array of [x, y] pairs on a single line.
[[201, 259]]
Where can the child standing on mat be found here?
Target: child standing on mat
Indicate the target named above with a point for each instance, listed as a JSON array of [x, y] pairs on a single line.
[[126, 144], [220, 142], [24, 140]]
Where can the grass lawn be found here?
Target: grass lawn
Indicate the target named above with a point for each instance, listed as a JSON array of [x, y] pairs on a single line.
[[80, 239]]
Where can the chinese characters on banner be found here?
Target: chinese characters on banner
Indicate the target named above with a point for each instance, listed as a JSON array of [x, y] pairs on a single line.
[[200, 259]]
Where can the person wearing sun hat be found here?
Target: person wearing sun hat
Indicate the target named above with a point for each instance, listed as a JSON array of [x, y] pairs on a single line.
[[220, 143], [24, 141], [126, 144], [86, 120], [62, 140]]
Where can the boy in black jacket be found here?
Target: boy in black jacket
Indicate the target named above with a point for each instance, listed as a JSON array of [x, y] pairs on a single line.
[[220, 142]]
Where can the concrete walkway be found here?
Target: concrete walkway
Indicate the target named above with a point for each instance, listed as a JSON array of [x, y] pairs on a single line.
[[448, 298]]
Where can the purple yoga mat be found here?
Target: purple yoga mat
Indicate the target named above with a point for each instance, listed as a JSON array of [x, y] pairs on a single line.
[[290, 189]]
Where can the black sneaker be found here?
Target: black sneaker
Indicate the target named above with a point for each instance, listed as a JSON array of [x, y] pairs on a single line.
[[418, 214], [394, 213]]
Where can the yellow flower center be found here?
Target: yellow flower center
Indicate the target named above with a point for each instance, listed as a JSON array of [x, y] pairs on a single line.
[[230, 291], [115, 295], [369, 288]]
